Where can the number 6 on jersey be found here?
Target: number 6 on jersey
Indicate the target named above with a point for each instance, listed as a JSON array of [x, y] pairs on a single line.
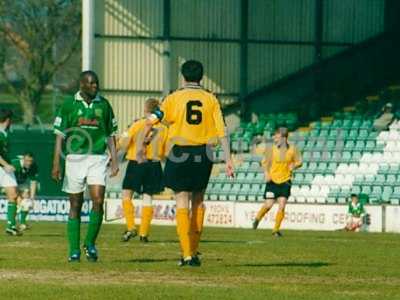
[[193, 115]]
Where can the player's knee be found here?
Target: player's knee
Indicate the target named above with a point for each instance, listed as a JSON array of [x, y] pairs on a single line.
[[147, 200], [12, 195], [98, 205]]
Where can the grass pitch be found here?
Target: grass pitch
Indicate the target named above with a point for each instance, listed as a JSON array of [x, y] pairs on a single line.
[[237, 264]]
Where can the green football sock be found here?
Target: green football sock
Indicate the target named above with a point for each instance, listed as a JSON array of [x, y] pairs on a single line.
[[22, 216], [11, 214], [95, 220], [74, 234]]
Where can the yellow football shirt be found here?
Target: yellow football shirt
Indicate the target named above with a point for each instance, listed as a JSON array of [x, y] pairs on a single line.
[[277, 163], [193, 116], [155, 150]]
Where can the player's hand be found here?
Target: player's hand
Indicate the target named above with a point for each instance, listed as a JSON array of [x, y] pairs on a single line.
[[56, 173], [140, 157], [229, 170], [9, 168], [114, 169]]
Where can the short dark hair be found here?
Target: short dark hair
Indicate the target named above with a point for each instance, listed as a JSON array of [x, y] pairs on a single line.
[[192, 71], [28, 153], [5, 114], [84, 74], [283, 131], [353, 196], [152, 104]]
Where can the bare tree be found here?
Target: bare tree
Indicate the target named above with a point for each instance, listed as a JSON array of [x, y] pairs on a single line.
[[30, 31]]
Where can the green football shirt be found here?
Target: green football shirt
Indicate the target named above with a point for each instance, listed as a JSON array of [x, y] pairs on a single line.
[[356, 210], [22, 174], [85, 127], [4, 145]]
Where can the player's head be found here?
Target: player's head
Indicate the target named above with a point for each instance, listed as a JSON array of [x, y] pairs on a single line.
[[6, 117], [151, 105], [388, 107], [192, 71], [89, 83], [281, 136], [354, 198], [28, 159]]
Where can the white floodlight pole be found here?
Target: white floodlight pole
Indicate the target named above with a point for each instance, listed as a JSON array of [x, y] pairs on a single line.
[[87, 34]]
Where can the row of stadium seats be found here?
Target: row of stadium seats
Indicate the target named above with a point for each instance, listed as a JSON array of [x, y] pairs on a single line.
[[342, 155]]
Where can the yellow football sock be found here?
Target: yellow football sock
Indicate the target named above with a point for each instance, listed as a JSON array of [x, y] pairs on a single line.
[[261, 213], [278, 219], [196, 227], [129, 213], [147, 216], [183, 227]]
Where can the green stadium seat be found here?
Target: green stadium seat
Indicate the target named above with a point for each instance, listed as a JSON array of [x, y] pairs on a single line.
[[363, 135], [356, 189], [356, 123], [366, 189], [260, 178], [394, 169], [346, 157], [331, 200], [383, 169], [366, 124], [353, 134], [244, 167], [372, 136], [243, 192], [380, 179], [308, 178], [307, 156], [360, 146], [370, 146], [386, 194], [315, 156], [350, 145], [255, 167], [234, 192], [250, 177], [330, 145], [255, 192], [356, 156], [322, 168], [395, 201], [241, 177], [223, 194], [391, 180], [332, 166], [320, 145]]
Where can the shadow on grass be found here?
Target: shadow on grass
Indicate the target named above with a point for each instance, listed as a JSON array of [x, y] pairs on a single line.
[[317, 264], [146, 260], [222, 242], [46, 235], [163, 241], [201, 242]]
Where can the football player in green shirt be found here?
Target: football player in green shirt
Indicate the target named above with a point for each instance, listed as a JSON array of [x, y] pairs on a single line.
[[86, 126], [26, 173], [7, 177], [355, 214]]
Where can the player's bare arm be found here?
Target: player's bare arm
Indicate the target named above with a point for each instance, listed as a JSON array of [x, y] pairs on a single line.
[[266, 163], [229, 168], [9, 168], [56, 172], [33, 189], [111, 142]]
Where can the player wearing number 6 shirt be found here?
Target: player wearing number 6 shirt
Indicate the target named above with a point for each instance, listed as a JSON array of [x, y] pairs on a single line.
[[195, 121]]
